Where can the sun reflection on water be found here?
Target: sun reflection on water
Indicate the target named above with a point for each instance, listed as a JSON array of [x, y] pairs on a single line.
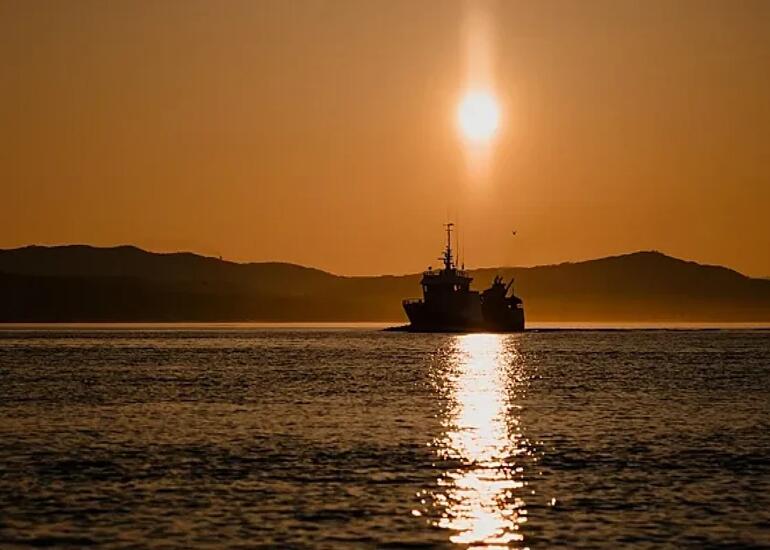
[[481, 495]]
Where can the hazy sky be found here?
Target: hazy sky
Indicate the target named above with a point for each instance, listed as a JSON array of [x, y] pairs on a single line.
[[324, 133]]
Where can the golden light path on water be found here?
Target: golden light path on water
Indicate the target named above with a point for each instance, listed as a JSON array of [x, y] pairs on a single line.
[[482, 498]]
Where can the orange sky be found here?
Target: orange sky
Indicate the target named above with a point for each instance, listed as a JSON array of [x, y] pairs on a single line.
[[323, 133]]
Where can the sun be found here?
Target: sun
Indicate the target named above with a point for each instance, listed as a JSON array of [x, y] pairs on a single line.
[[478, 116]]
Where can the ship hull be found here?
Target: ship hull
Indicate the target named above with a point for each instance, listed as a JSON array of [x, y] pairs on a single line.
[[503, 317], [424, 319]]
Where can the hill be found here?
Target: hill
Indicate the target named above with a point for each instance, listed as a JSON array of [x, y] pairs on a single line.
[[83, 283]]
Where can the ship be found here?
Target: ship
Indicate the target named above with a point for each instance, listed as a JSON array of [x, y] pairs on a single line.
[[449, 305]]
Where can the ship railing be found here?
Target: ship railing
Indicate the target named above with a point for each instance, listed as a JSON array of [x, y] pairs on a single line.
[[437, 272]]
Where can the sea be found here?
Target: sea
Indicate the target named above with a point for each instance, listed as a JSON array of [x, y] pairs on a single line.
[[256, 436]]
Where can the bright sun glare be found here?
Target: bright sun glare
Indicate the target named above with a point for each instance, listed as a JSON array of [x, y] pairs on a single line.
[[478, 116]]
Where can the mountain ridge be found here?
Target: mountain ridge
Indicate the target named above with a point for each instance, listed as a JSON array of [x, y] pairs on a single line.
[[189, 254], [127, 283]]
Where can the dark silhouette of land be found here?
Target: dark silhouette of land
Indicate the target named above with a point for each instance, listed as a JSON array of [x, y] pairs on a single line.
[[82, 283]]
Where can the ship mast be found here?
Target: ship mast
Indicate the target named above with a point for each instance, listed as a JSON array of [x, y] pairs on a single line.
[[448, 265]]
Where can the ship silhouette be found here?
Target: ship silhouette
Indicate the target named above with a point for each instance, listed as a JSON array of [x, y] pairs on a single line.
[[449, 305]]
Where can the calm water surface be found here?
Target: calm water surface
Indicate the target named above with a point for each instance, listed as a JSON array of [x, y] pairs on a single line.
[[249, 437]]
